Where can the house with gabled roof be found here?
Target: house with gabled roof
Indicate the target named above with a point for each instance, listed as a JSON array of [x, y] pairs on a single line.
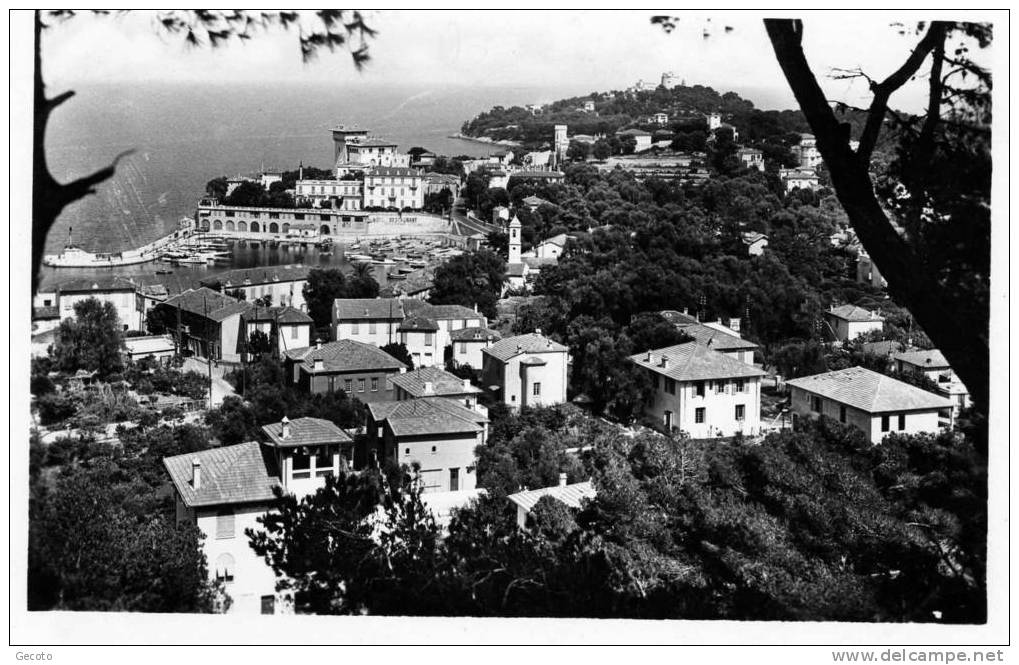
[[702, 392], [847, 322], [360, 370], [120, 292], [286, 327], [435, 433], [467, 345], [209, 324], [754, 242], [526, 370], [436, 382], [369, 320], [933, 364], [284, 284], [225, 490], [572, 495], [873, 402], [717, 337]]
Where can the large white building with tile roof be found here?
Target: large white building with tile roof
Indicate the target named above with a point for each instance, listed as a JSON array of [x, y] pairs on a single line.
[[436, 382], [702, 392], [526, 370], [225, 490], [360, 370], [848, 322], [875, 403]]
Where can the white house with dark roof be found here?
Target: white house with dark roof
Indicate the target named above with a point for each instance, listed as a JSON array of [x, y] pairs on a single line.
[[420, 335], [468, 344], [552, 248], [207, 323], [286, 327], [933, 364], [120, 292], [848, 322], [755, 243], [642, 138], [369, 320], [526, 370], [447, 318], [751, 158], [225, 490], [702, 392], [284, 284], [571, 495], [873, 402], [433, 432], [360, 370]]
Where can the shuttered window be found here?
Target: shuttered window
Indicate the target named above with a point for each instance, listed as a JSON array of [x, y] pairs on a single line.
[[225, 524]]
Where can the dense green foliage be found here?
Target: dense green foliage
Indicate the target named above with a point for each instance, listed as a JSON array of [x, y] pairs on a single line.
[[472, 278], [325, 285], [816, 524], [93, 340], [101, 527]]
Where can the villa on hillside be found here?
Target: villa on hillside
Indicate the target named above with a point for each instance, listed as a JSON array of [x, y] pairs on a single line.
[[847, 322], [526, 370], [875, 403], [360, 370]]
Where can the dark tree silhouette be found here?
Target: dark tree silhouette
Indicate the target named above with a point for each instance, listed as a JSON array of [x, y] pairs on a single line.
[[331, 29]]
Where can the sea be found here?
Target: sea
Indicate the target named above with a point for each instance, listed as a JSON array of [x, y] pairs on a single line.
[[182, 135]]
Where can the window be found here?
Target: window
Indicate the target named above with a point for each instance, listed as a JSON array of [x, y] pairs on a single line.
[[371, 328], [536, 389], [268, 605], [360, 385], [428, 339], [670, 386], [719, 386], [355, 328], [225, 524], [463, 347], [347, 385], [699, 389], [406, 451], [902, 421], [741, 385], [654, 380], [741, 412], [225, 568], [375, 384], [842, 413], [884, 423], [300, 465], [698, 414], [323, 218], [434, 450], [667, 420], [815, 403], [324, 458], [454, 480], [293, 332]]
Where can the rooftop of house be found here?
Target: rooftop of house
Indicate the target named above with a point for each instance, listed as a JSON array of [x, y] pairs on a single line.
[[632, 132], [571, 495], [284, 314], [347, 309], [208, 303], [439, 312], [869, 391], [516, 269], [883, 348], [433, 381], [547, 175], [714, 338], [927, 359], [751, 237], [418, 323], [537, 263], [534, 201], [374, 143], [101, 283], [426, 416], [560, 240], [345, 355], [149, 344], [305, 432], [263, 275], [517, 345], [242, 473], [693, 361], [854, 314], [474, 334]]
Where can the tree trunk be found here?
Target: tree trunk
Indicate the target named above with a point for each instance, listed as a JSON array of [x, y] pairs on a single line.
[[911, 280]]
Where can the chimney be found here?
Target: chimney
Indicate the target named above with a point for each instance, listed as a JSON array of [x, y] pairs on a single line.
[[196, 473], [519, 348], [562, 480], [648, 357], [285, 434], [318, 343], [319, 365], [429, 388], [665, 362], [467, 384], [475, 308], [537, 331]]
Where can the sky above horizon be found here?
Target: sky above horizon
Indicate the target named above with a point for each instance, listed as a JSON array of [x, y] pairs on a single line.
[[593, 50]]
